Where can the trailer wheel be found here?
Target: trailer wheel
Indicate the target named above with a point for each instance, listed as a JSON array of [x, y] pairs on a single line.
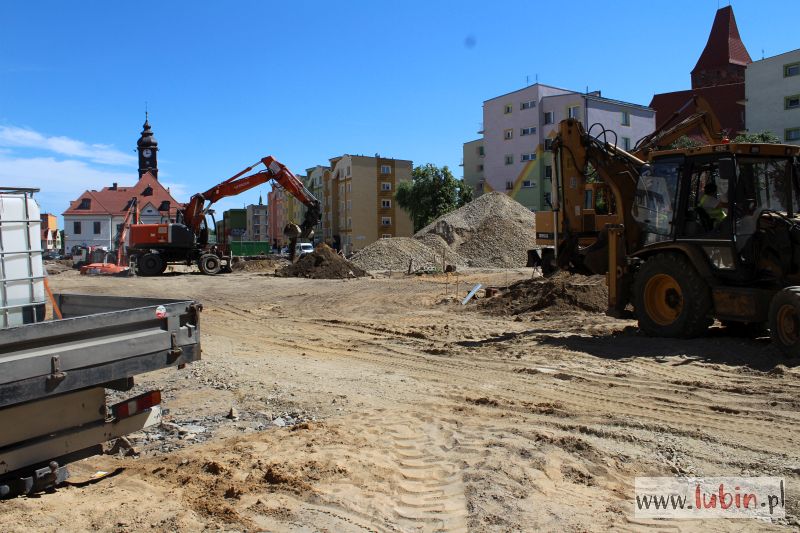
[[209, 264], [784, 321], [671, 299], [150, 265]]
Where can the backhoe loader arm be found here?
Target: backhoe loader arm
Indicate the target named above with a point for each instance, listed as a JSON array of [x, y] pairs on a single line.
[[574, 149], [703, 118]]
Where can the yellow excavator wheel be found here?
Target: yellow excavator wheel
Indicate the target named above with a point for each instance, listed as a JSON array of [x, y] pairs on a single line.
[[663, 299]]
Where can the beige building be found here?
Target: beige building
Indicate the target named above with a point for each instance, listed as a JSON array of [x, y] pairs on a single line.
[[772, 93], [358, 205], [257, 222], [473, 165], [313, 183]]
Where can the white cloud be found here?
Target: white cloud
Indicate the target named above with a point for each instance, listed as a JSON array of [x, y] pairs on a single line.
[[177, 190], [14, 137], [59, 181]]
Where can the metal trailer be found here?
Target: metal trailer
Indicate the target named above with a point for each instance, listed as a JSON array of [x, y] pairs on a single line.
[[54, 376]]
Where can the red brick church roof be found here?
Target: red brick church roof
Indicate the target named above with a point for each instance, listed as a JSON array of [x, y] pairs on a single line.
[[114, 200], [724, 44]]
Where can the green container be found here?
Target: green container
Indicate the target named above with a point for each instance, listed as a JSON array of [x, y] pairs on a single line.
[[248, 248]]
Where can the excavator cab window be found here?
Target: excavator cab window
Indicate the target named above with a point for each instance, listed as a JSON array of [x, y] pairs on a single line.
[[655, 202]]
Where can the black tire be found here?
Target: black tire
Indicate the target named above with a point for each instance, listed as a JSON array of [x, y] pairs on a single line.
[[671, 299], [209, 264], [784, 320], [150, 265]]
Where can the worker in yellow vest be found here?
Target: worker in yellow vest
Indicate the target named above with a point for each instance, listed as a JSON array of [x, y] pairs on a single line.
[[712, 205]]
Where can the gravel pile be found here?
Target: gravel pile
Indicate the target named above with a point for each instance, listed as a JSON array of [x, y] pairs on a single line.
[[259, 265], [394, 254], [492, 231]]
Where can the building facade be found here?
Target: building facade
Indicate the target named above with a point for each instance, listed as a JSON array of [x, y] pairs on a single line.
[[257, 221], [313, 183], [772, 90], [95, 219], [275, 216], [51, 235], [514, 154], [358, 205]]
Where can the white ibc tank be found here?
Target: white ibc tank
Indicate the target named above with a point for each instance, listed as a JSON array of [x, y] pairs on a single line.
[[22, 295]]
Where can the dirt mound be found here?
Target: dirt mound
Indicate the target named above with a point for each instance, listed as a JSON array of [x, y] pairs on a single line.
[[396, 253], [322, 263], [561, 293], [492, 231], [258, 265], [54, 268]]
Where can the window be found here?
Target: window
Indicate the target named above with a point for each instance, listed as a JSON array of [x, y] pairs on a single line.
[[791, 102], [574, 112], [148, 191], [528, 105], [86, 203], [548, 144], [349, 186], [386, 186], [626, 118], [386, 204], [509, 159], [626, 143], [348, 170], [548, 199], [480, 168], [508, 108], [549, 118], [528, 131], [386, 169], [386, 221], [527, 184], [508, 134], [548, 172], [164, 206], [528, 157], [792, 69], [349, 205], [480, 151], [349, 222], [76, 228], [792, 134], [386, 236], [96, 228], [509, 185]]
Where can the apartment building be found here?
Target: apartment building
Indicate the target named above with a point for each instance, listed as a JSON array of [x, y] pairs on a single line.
[[257, 216], [358, 205], [51, 236], [518, 128], [313, 182], [472, 164], [772, 96], [275, 216]]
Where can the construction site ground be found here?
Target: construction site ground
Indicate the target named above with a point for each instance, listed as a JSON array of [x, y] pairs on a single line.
[[382, 404]]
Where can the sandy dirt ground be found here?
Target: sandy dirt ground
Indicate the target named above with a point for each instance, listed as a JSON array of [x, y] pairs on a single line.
[[413, 413]]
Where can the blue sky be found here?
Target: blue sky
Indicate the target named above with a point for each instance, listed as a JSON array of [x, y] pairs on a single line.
[[229, 82]]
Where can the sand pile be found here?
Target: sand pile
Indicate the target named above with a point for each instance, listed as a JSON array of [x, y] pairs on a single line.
[[259, 265], [322, 263], [561, 293], [395, 254], [492, 231]]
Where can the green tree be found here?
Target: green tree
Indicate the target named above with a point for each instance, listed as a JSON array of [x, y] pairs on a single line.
[[684, 142], [761, 137], [431, 193]]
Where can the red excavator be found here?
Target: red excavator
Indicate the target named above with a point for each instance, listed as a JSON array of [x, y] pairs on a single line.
[[186, 241]]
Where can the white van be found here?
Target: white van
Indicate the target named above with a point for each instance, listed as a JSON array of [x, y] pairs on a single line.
[[303, 248]]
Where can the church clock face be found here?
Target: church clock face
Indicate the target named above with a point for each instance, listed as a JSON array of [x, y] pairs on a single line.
[[147, 152]]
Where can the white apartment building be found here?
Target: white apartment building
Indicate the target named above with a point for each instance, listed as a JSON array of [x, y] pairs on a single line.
[[519, 126], [772, 96]]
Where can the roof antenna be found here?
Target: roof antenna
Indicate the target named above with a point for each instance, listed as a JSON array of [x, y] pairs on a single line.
[[537, 77], [762, 53]]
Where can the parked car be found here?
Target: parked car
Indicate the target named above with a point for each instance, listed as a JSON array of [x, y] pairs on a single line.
[[302, 249], [52, 256]]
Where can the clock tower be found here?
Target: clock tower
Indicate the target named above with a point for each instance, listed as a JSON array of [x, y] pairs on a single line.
[[147, 146]]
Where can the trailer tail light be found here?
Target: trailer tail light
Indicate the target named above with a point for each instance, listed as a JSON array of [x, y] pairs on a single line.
[[136, 405]]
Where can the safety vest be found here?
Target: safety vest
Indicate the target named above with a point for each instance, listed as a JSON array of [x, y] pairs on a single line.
[[717, 214]]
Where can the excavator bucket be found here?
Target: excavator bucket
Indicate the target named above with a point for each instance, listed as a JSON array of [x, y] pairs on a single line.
[[291, 231]]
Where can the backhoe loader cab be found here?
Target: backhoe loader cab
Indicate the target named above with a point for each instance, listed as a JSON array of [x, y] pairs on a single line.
[[719, 238]]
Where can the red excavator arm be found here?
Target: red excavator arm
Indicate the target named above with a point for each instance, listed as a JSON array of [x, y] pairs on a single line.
[[195, 210]]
